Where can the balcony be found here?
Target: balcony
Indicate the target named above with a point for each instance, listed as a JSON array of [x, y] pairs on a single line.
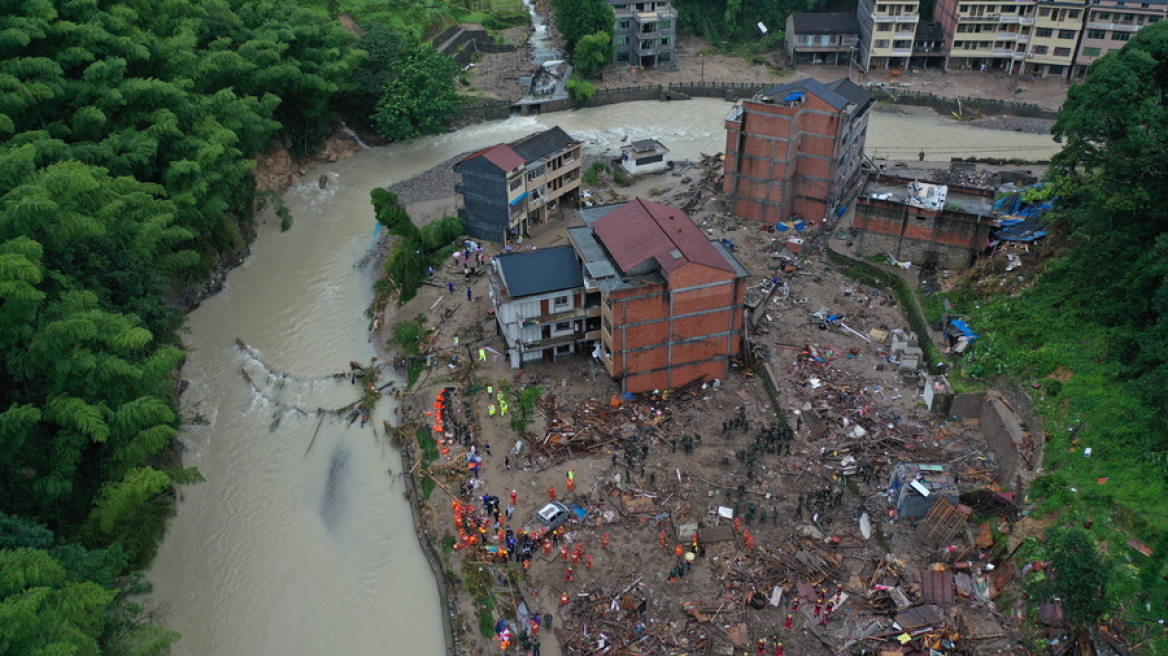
[[1003, 52], [1121, 27], [901, 52], [904, 35]]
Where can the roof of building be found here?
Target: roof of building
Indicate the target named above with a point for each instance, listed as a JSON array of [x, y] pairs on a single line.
[[852, 91], [645, 146], [643, 230], [501, 155], [814, 87], [540, 271], [542, 144], [826, 23]]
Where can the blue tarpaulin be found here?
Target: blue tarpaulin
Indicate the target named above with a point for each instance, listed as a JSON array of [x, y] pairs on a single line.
[[519, 198], [793, 96], [964, 329], [1027, 230]]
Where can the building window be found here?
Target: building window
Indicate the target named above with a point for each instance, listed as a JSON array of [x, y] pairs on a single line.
[[620, 7], [1043, 33], [882, 43], [1153, 19], [1040, 50], [665, 56], [1073, 14], [664, 40], [516, 183], [607, 325], [622, 56], [622, 25], [1103, 15], [1008, 9], [1096, 34], [1090, 52], [885, 27], [1066, 34], [1062, 52], [902, 44], [1120, 36], [563, 326], [561, 303], [622, 40], [563, 349], [666, 24], [1044, 12], [1128, 18]]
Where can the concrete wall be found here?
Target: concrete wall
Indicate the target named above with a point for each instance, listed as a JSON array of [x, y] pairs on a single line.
[[951, 239], [484, 190], [1018, 450]]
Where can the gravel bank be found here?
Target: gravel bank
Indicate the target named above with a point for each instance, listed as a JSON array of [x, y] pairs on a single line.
[[436, 183]]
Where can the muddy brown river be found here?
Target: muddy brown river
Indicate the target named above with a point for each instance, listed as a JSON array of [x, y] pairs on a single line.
[[290, 550]]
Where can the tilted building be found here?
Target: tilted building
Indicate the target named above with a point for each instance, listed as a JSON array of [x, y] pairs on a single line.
[[795, 150], [645, 34]]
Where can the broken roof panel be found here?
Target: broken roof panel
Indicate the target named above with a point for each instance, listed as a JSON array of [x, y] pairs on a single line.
[[937, 586], [919, 617], [642, 230]]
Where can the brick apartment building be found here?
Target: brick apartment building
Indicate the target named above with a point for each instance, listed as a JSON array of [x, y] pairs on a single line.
[[542, 310], [509, 188], [922, 222], [795, 150], [645, 34], [671, 301]]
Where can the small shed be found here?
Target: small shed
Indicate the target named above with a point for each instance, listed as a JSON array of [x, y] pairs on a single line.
[[914, 487], [644, 156]]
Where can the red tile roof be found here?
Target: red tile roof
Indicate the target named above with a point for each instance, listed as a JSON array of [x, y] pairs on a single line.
[[643, 230], [501, 155]]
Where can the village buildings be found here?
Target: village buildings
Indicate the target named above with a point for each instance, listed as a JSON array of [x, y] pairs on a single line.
[[1108, 26], [795, 150], [509, 188], [827, 38], [887, 33], [644, 156], [645, 34]]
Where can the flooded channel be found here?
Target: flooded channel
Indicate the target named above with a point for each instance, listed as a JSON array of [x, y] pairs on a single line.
[[301, 542]]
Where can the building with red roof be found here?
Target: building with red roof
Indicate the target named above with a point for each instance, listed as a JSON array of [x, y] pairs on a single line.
[[671, 301], [509, 188]]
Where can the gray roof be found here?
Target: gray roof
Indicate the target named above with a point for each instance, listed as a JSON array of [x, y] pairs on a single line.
[[540, 271], [814, 87], [844, 23], [542, 144], [852, 91], [645, 145]]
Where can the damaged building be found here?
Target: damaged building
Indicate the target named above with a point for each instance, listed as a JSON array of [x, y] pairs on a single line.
[[923, 222]]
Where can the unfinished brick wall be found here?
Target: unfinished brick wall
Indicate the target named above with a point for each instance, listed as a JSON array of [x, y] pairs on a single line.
[[916, 234], [1015, 448]]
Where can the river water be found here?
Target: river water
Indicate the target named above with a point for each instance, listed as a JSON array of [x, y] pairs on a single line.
[[291, 550]]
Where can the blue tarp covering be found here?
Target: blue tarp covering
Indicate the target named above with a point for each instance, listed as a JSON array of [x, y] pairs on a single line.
[[964, 328], [793, 96], [1027, 230], [521, 197]]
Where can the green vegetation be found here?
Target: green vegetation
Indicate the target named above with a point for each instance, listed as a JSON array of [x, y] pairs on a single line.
[[1096, 323], [407, 264], [578, 19], [126, 175], [591, 177], [580, 90], [408, 336], [593, 53], [421, 19], [736, 21]]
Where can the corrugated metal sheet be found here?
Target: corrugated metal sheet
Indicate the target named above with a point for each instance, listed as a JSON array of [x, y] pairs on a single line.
[[937, 587]]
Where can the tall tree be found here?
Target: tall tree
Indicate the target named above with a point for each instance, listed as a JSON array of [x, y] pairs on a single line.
[[577, 19]]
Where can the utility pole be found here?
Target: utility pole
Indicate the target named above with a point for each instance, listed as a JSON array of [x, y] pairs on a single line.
[[703, 58]]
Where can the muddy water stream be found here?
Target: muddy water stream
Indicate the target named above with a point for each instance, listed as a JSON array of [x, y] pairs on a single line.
[[291, 550]]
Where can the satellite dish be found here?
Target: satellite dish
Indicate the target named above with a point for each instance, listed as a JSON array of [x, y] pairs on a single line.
[[762, 28]]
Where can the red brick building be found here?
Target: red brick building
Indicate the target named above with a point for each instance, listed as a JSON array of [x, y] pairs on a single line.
[[795, 150], [671, 300]]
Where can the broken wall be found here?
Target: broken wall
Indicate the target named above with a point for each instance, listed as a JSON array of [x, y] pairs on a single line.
[[1015, 447]]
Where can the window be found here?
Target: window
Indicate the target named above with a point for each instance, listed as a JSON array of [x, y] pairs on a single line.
[[1066, 34], [902, 44], [1009, 9], [664, 40], [1120, 36], [563, 326], [535, 173], [563, 349], [1044, 12], [1103, 15], [1091, 52], [607, 325], [1128, 18], [1062, 52], [665, 56], [666, 25], [516, 183], [1073, 14], [882, 43], [1043, 32], [622, 25], [622, 40], [622, 56], [561, 303], [1153, 19], [1096, 34], [620, 7], [883, 27], [1039, 50]]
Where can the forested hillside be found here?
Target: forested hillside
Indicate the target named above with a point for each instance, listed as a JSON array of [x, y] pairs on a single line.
[[125, 171]]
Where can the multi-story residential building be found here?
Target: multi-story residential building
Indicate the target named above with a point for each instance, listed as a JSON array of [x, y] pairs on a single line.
[[1055, 35], [795, 150], [645, 34], [887, 33], [986, 35], [822, 38], [509, 188], [542, 309], [929, 46], [1109, 25], [671, 301]]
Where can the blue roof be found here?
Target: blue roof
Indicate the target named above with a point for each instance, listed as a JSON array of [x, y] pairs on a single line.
[[793, 96], [540, 271]]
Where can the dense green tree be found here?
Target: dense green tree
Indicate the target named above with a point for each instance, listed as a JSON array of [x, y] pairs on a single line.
[[1077, 576], [577, 19], [422, 98], [592, 54], [737, 21]]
